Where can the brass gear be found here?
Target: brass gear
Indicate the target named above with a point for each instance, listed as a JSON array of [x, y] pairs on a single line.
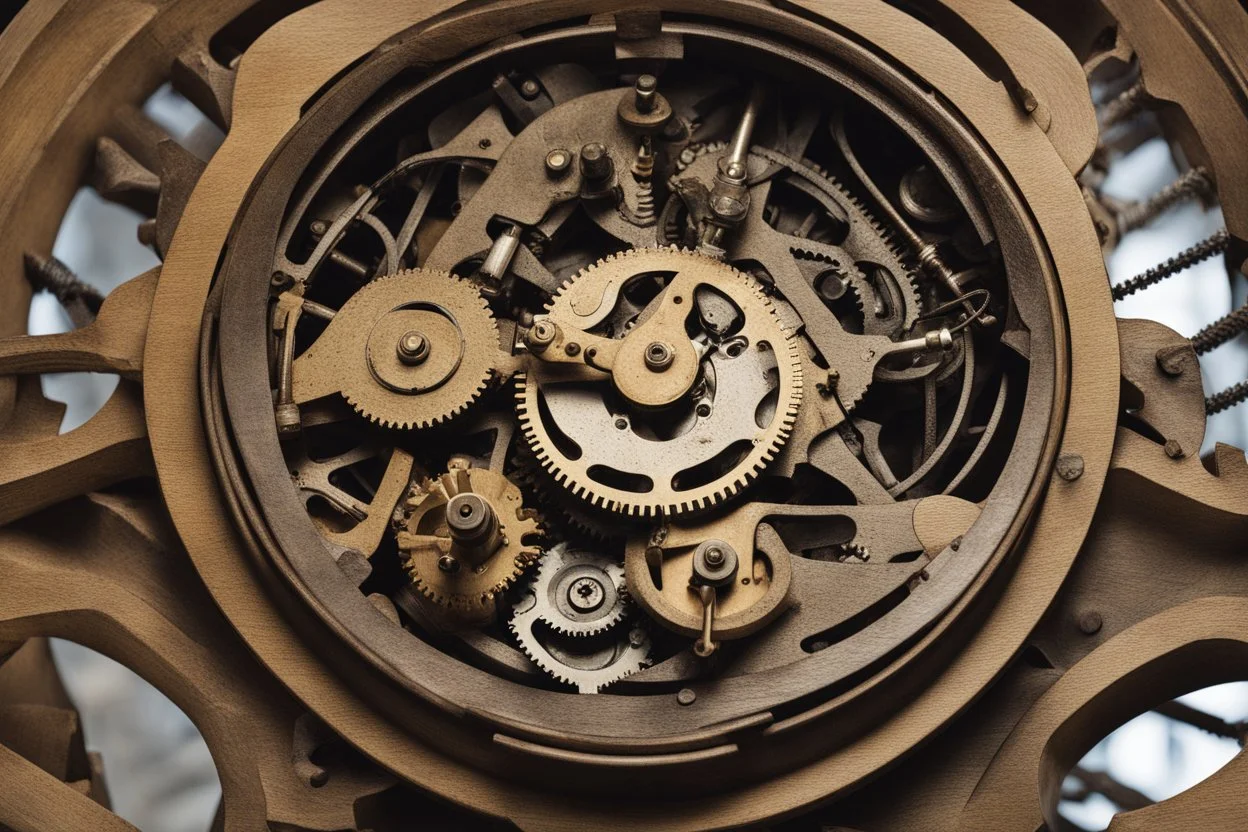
[[411, 350], [442, 566], [585, 301]]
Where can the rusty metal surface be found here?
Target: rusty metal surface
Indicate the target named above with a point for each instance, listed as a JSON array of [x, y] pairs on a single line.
[[806, 491]]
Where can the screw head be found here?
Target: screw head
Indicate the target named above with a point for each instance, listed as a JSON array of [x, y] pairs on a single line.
[[1091, 622], [558, 161], [1070, 467], [413, 347], [448, 564], [659, 356], [530, 89], [715, 556], [586, 594], [686, 696]]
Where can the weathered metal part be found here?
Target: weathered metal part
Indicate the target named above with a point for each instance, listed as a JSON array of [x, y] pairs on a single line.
[[361, 354], [576, 408], [588, 664], [444, 565], [497, 746], [579, 592]]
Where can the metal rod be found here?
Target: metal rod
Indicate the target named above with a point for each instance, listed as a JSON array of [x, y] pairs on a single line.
[[739, 150]]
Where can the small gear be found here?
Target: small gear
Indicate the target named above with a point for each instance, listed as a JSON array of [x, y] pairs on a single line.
[[739, 373], [411, 350], [589, 663], [466, 537], [579, 592]]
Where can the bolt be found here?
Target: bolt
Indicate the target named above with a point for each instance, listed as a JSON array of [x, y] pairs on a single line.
[[541, 335], [636, 637], [1174, 450], [596, 164], [645, 90], [1070, 467], [469, 517], [572, 349], [659, 356], [319, 228], [1172, 360], [413, 348], [715, 556], [585, 594], [686, 696], [1091, 622], [621, 424], [530, 89], [448, 564], [558, 161]]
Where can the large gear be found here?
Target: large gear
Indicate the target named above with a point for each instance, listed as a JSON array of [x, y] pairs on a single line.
[[411, 350], [759, 357], [464, 565]]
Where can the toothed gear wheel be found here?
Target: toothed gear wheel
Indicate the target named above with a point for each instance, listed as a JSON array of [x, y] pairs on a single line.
[[579, 592], [867, 240], [437, 561], [408, 351], [759, 362], [563, 512], [588, 663]]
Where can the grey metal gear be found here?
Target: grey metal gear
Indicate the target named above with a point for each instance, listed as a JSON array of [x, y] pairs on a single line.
[[587, 663], [580, 592]]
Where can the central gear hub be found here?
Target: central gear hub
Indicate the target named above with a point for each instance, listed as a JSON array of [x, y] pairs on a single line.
[[466, 537], [684, 425], [407, 351]]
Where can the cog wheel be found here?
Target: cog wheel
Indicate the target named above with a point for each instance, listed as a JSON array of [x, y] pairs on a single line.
[[562, 512], [466, 537], [623, 464], [408, 351], [587, 663], [579, 592]]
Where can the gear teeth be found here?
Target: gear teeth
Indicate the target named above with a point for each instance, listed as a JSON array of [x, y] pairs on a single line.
[[550, 461], [437, 407]]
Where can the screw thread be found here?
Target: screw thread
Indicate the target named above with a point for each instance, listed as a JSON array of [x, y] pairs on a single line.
[[1198, 253], [1221, 330], [1194, 184], [1227, 399]]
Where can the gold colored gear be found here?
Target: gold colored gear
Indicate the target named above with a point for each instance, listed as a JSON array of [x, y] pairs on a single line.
[[424, 537], [585, 302], [359, 355]]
